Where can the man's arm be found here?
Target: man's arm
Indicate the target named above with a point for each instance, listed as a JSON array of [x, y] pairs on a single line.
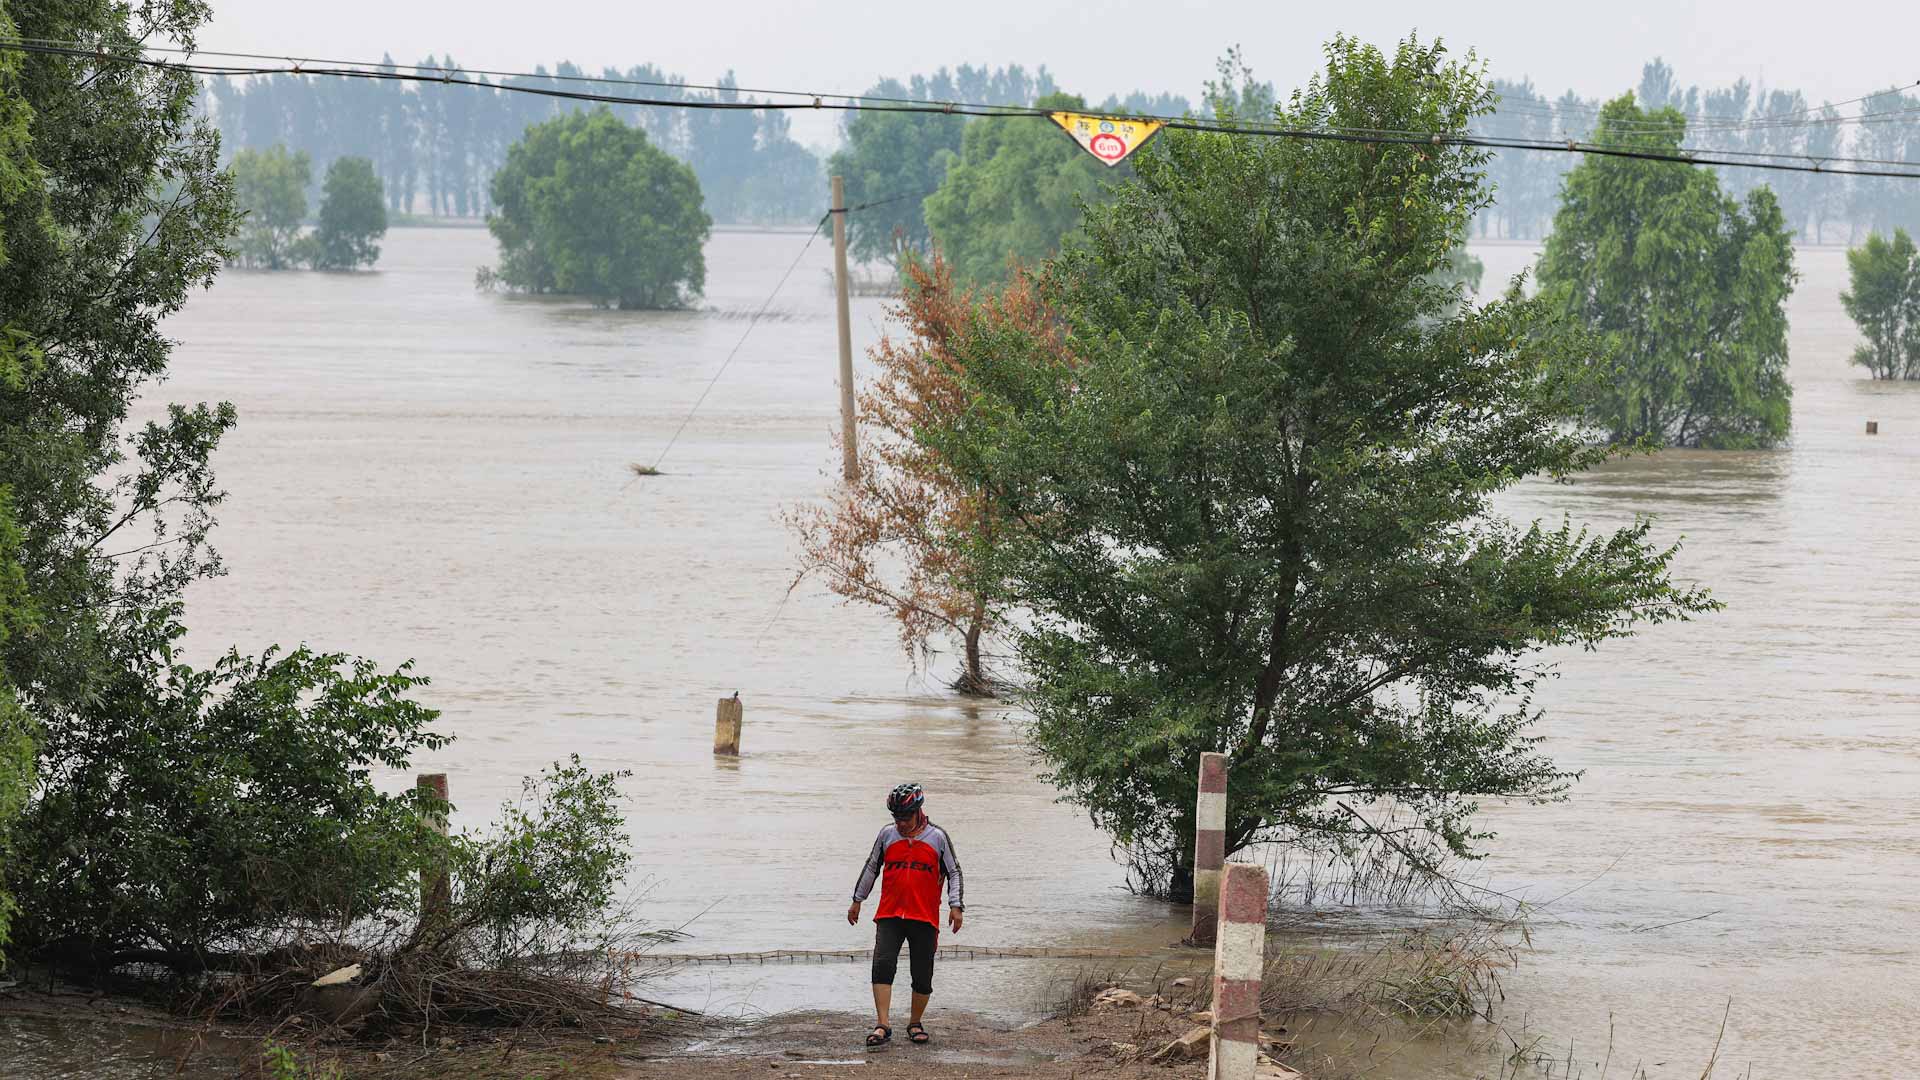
[[950, 869], [871, 872]]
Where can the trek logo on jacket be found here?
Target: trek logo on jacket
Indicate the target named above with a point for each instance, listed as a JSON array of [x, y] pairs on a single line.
[[910, 871]]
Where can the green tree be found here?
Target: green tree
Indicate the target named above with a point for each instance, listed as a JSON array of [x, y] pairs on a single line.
[[126, 206], [16, 733], [18, 174], [112, 208], [353, 217], [587, 206], [1253, 511], [1883, 297], [271, 186], [895, 160], [1686, 288], [1014, 194]]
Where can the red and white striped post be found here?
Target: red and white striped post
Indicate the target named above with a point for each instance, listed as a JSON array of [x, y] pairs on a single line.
[[1239, 961], [1209, 846]]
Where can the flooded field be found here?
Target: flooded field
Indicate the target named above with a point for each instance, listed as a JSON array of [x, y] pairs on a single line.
[[427, 472]]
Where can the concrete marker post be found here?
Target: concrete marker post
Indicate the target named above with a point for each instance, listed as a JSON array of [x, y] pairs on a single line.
[[436, 892], [726, 726], [1239, 962], [1209, 846]]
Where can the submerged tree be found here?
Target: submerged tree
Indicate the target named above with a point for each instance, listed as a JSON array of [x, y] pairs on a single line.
[[1883, 298], [588, 206], [353, 217], [901, 536], [1253, 513], [1686, 289], [271, 186]]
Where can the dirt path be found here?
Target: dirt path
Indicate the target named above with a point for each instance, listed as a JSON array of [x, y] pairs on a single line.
[[822, 1045]]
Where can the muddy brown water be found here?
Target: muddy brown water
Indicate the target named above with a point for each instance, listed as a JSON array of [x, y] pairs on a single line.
[[423, 471]]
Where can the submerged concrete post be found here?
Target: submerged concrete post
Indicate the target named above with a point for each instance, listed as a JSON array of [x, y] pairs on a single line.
[[435, 892], [726, 726], [1209, 846], [1239, 961]]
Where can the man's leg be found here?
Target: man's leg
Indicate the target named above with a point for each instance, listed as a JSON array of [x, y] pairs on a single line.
[[922, 939], [887, 936]]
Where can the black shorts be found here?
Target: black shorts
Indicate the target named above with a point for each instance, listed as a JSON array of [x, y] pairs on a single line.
[[921, 938]]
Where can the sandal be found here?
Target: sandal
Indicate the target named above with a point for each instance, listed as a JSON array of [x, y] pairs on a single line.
[[881, 1035], [917, 1034]]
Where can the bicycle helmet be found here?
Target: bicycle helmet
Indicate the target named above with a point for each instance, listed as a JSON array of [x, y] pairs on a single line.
[[905, 799]]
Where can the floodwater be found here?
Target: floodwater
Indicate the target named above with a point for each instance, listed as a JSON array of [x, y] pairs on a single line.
[[427, 472]]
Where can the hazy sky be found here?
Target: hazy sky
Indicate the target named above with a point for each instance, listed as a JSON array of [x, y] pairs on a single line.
[[1829, 51]]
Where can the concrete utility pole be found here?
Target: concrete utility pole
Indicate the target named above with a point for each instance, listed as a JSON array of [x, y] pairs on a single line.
[[850, 451]]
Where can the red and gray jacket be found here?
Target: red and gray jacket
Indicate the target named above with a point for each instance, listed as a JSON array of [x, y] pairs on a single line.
[[910, 870]]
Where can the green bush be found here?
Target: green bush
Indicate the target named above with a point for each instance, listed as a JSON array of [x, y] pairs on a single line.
[[190, 811], [543, 877]]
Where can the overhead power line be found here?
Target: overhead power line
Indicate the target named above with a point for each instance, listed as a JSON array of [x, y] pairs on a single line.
[[1905, 170]]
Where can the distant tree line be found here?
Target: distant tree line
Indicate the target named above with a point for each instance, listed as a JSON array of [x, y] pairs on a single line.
[[435, 148], [1743, 118]]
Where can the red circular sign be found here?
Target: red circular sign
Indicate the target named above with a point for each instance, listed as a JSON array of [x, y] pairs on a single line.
[[1108, 147]]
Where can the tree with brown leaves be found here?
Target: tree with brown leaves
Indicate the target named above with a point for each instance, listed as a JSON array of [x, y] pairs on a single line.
[[899, 536]]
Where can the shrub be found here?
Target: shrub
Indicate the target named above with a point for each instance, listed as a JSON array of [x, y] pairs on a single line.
[[195, 810], [542, 878]]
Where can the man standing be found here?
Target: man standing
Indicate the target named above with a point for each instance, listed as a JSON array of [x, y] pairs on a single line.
[[910, 858]]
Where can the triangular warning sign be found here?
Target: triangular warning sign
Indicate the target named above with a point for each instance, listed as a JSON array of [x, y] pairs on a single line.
[[1109, 138]]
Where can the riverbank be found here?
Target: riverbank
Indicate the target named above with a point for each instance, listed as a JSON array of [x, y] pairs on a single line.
[[131, 1039]]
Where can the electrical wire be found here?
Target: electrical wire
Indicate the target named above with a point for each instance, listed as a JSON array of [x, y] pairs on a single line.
[[735, 351], [1680, 155], [531, 76], [1543, 106]]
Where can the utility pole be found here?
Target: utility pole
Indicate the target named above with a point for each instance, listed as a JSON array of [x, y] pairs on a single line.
[[850, 451]]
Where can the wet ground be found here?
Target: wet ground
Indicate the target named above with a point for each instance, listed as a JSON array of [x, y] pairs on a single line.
[[964, 1044]]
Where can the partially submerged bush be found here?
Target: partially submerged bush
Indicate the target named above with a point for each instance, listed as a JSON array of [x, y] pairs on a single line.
[[542, 880], [528, 934]]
